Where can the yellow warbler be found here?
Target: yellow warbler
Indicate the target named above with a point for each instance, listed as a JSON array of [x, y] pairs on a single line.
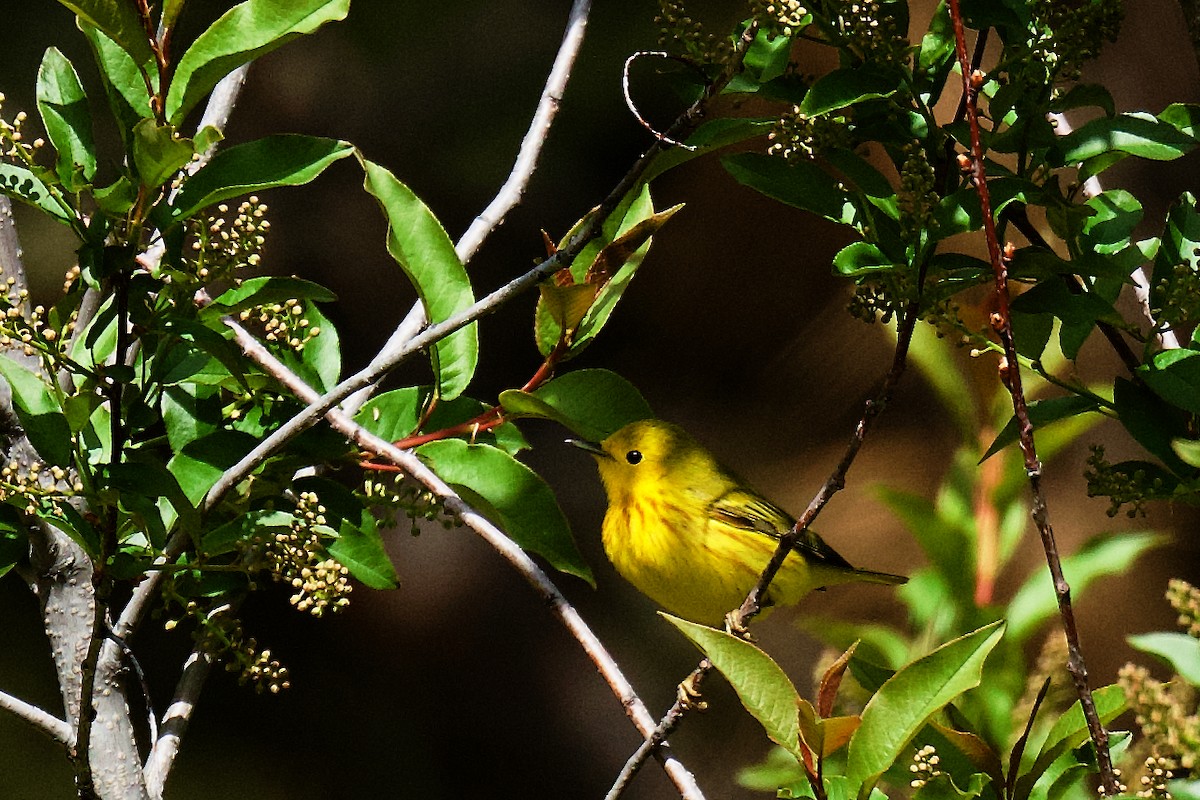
[[694, 537]]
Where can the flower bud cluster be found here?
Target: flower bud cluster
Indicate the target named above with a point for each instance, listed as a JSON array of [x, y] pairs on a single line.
[[924, 767], [13, 144], [779, 17], [297, 556], [868, 32], [677, 27], [389, 494], [284, 323], [799, 137], [221, 245], [25, 329], [1176, 297], [1154, 781], [1185, 599], [1133, 488], [37, 486], [1069, 33], [219, 632], [1122, 788], [1166, 714], [916, 197]]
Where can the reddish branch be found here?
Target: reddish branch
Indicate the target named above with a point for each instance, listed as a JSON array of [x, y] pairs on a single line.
[[1010, 375]]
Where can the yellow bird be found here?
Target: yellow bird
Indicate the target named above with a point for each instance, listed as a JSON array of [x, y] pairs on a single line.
[[694, 537]]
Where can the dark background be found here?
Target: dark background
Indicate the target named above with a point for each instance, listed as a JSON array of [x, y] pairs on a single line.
[[460, 683]]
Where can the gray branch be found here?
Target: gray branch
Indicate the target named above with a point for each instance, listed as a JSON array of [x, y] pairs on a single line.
[[509, 195]]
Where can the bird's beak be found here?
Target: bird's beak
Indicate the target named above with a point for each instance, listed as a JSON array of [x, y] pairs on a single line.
[[590, 447]]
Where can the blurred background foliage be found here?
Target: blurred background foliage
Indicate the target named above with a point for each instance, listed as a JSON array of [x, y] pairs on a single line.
[[459, 682]]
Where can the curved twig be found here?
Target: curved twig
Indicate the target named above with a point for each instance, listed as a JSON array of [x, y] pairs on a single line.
[[632, 106]]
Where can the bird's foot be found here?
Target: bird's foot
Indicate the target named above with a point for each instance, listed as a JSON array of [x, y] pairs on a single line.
[[689, 696], [735, 626]]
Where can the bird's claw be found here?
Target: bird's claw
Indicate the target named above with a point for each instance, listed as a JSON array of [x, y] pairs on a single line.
[[689, 694], [735, 626]]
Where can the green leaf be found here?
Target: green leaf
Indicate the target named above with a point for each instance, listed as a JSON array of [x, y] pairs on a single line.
[[118, 20], [936, 54], [1184, 117], [1117, 215], [1179, 650], [861, 258], [419, 244], [133, 479], [710, 136], [40, 415], [63, 106], [1188, 450], [1041, 413], [635, 211], [802, 185], [592, 403], [281, 160], [942, 787], [124, 85], [1174, 375], [190, 412], [514, 497], [240, 35], [620, 259], [1137, 134], [845, 87], [322, 355], [21, 184], [760, 683], [159, 152], [909, 698], [362, 552], [265, 290], [1151, 421], [1107, 554], [202, 462], [1069, 732], [1085, 95]]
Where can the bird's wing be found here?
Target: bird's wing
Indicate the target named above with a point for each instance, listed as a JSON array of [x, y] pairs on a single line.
[[752, 512]]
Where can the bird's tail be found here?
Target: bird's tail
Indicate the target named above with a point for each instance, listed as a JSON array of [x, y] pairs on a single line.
[[871, 576]]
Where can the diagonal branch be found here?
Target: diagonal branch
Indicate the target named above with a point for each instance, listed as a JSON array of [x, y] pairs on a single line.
[[510, 193], [1010, 375]]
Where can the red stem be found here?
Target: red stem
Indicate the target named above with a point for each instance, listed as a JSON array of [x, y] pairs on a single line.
[[1010, 375]]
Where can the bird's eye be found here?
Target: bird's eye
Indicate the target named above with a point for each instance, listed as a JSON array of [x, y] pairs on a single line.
[[634, 456]]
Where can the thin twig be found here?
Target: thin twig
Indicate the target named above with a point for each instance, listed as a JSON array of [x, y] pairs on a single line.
[[513, 190], [632, 106], [589, 230], [1010, 375], [57, 729], [658, 737], [509, 194]]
